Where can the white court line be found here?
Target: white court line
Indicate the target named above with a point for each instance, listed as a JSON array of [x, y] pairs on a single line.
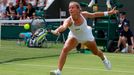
[[76, 68]]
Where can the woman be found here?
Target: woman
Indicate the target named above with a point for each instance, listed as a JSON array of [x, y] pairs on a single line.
[[80, 32]]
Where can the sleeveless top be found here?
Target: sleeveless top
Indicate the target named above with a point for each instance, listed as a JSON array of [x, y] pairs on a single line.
[[82, 32], [77, 30]]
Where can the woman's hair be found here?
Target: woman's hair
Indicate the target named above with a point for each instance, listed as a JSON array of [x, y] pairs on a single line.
[[77, 5]]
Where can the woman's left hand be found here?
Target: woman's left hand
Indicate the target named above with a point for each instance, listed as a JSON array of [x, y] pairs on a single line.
[[114, 11]]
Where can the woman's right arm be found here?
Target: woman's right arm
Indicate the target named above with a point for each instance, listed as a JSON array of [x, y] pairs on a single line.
[[62, 27]]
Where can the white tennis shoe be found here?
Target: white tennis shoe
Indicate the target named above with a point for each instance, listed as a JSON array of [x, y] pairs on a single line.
[[107, 64], [55, 72]]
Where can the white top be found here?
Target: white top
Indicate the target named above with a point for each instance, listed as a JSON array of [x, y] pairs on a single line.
[[76, 30], [82, 32]]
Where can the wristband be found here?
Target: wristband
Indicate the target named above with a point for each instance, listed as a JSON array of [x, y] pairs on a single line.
[[106, 13]]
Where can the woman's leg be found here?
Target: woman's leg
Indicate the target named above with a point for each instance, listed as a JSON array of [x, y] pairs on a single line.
[[68, 46], [93, 47]]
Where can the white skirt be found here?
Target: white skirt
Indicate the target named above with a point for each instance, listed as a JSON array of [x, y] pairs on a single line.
[[83, 37]]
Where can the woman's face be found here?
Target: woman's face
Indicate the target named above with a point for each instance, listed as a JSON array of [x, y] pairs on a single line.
[[73, 9]]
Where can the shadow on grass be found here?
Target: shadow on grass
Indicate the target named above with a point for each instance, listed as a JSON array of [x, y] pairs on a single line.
[[21, 59]]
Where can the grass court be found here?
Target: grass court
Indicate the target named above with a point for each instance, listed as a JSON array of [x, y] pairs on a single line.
[[21, 60]]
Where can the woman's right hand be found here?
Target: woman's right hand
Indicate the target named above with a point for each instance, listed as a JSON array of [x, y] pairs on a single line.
[[55, 32]]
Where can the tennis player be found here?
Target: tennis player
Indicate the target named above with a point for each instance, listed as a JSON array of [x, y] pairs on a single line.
[[80, 32]]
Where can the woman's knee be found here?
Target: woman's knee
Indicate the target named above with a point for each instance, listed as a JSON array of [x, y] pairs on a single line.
[[65, 50]]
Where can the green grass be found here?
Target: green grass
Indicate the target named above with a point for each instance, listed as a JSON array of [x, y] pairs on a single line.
[[39, 61], [10, 51]]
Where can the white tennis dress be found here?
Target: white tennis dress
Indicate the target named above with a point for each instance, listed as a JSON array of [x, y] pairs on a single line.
[[82, 33]]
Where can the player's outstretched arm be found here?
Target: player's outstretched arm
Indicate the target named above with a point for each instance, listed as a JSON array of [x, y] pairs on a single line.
[[100, 14], [62, 28]]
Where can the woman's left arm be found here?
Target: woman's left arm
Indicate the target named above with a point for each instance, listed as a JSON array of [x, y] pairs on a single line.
[[100, 14]]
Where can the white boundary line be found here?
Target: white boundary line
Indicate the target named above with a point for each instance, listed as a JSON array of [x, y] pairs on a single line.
[[29, 21], [76, 68]]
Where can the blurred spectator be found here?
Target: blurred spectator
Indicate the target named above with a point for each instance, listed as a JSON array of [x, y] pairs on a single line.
[[13, 16], [122, 18], [92, 3], [25, 38], [24, 16], [45, 3], [20, 1], [41, 3], [33, 2], [30, 11], [5, 2], [4, 16], [125, 38], [13, 1], [20, 10], [10, 9], [2, 9]]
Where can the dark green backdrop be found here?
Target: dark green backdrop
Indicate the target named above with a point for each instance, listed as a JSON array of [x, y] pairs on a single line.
[[53, 11]]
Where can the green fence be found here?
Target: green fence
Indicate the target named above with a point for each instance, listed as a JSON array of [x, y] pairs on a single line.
[[105, 30], [12, 32]]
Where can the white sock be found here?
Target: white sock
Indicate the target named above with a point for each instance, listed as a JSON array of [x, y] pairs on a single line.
[[105, 58]]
